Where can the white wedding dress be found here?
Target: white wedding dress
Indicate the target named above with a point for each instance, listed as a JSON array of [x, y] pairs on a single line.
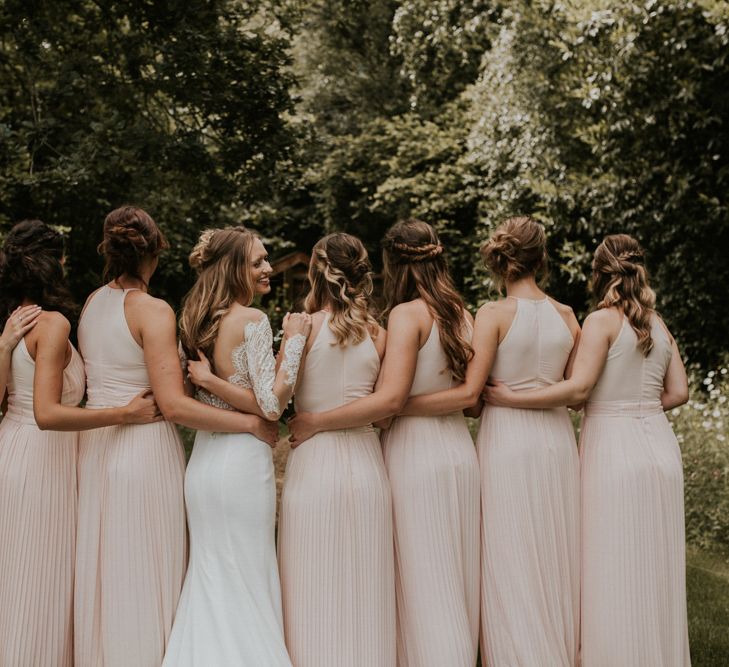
[[229, 614]]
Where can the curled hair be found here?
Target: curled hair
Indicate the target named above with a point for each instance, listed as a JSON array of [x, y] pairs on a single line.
[[341, 279], [130, 235], [415, 268], [620, 279], [516, 249], [222, 260], [32, 270]]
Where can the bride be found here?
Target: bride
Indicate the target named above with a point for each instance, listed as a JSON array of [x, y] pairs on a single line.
[[230, 608]]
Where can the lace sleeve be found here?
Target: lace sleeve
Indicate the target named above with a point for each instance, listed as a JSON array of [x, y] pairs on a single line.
[[262, 365]]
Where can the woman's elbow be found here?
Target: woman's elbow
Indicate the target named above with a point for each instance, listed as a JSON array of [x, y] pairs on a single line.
[[172, 411], [43, 419], [395, 404], [580, 395]]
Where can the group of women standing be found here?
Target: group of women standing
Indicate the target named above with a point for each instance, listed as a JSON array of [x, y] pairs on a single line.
[[391, 548]]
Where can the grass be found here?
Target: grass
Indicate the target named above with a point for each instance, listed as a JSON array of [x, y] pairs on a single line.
[[707, 583]]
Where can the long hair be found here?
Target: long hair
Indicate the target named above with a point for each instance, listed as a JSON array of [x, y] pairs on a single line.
[[221, 259], [130, 235], [31, 269], [620, 279], [414, 267], [516, 249], [341, 279]]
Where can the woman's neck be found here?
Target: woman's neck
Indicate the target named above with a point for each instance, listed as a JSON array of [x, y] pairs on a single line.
[[125, 281], [525, 288]]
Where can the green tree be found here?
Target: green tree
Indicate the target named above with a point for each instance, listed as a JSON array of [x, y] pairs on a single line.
[[177, 106]]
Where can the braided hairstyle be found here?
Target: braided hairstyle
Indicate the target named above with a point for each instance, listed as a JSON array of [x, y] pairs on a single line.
[[32, 269], [221, 259], [340, 275], [620, 279], [130, 235], [414, 267], [516, 249]]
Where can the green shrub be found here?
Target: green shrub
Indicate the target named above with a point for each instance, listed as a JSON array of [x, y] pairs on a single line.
[[702, 429]]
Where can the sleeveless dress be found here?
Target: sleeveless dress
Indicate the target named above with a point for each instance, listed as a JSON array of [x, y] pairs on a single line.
[[37, 523], [335, 528], [530, 504], [633, 550], [434, 474], [132, 546], [230, 608]]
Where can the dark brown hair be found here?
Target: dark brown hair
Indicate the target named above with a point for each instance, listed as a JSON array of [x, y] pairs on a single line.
[[31, 269], [130, 235], [414, 267], [620, 279], [516, 249], [341, 278], [222, 260]]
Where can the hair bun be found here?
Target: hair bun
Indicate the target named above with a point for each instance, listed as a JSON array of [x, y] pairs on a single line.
[[516, 249], [200, 254]]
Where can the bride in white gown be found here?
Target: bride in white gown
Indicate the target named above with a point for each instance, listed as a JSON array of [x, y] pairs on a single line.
[[229, 612]]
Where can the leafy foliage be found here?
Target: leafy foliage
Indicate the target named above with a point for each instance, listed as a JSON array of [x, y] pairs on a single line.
[[177, 106]]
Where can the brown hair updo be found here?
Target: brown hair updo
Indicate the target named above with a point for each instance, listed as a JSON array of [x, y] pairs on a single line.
[[130, 235], [516, 249], [340, 274], [414, 267], [222, 260], [31, 269], [620, 279]]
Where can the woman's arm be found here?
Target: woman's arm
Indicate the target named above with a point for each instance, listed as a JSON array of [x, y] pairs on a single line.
[[468, 394], [20, 322], [158, 332], [589, 362], [273, 388], [398, 370], [675, 383], [51, 335]]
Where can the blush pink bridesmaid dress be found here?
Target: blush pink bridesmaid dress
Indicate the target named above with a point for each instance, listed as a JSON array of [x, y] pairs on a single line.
[[37, 523], [132, 544], [530, 504], [433, 470], [335, 529], [633, 548]]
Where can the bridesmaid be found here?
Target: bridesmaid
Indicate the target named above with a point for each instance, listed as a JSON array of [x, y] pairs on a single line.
[[430, 460], [335, 531], [629, 370], [529, 465], [131, 550], [37, 465]]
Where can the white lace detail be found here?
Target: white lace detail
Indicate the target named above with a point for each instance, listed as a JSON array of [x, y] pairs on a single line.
[[292, 357], [261, 370]]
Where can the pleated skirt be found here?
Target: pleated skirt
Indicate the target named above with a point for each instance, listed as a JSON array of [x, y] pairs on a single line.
[[633, 547], [434, 475], [131, 551], [336, 553], [530, 573], [37, 543]]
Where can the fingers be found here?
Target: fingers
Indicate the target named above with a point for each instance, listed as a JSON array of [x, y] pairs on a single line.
[[201, 356]]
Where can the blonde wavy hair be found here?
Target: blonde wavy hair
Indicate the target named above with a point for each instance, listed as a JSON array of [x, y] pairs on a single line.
[[340, 274], [517, 248], [221, 259], [414, 267], [620, 279]]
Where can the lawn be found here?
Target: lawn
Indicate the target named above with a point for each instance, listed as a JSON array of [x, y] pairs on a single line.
[[707, 581]]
